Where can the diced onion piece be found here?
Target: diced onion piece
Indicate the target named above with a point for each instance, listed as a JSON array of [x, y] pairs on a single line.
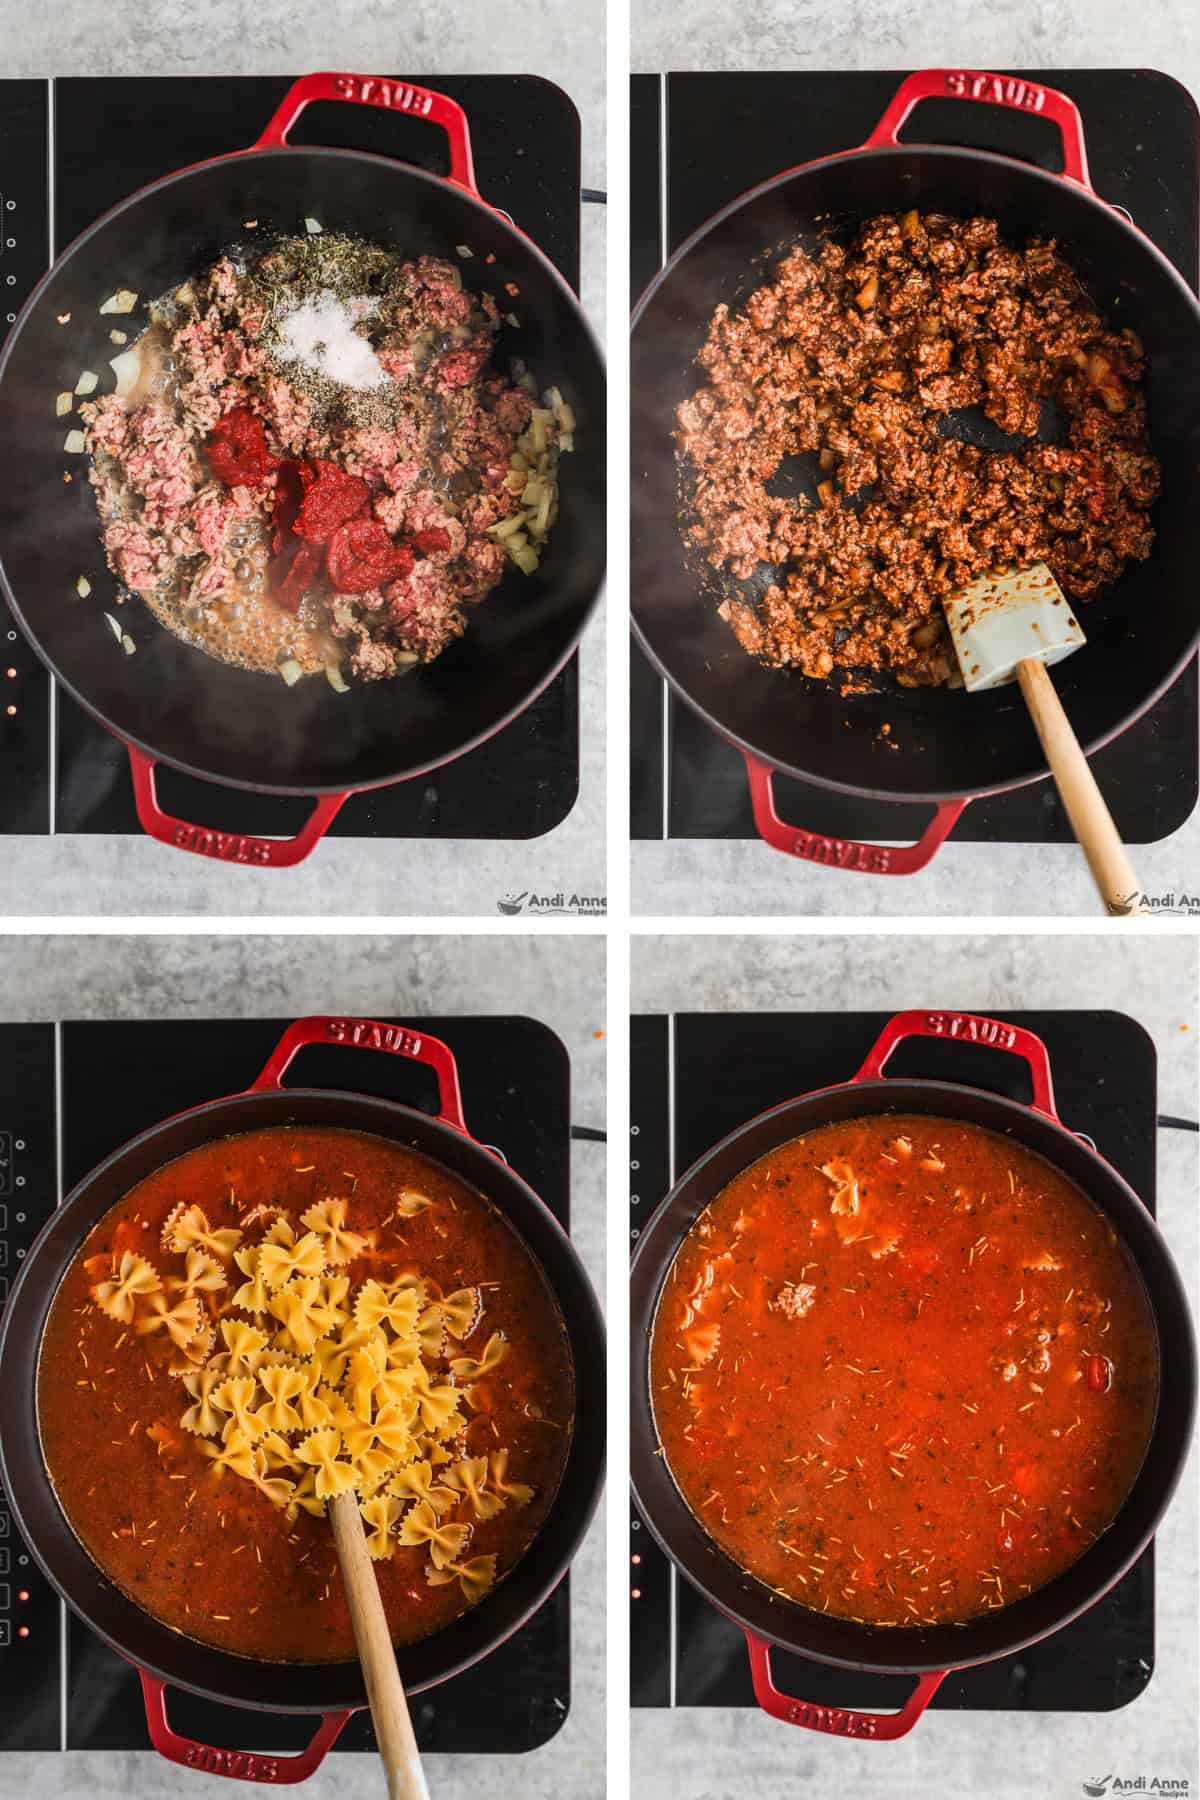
[[541, 519], [552, 398], [83, 587], [127, 367], [566, 419], [115, 627], [333, 676], [118, 337], [291, 671], [123, 301], [567, 441], [63, 405], [74, 443], [63, 318], [88, 382], [127, 644], [406, 658], [526, 559], [185, 294], [313, 227], [535, 487], [505, 527], [512, 319], [464, 250]]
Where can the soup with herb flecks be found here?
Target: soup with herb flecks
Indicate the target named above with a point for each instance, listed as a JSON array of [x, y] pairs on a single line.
[[903, 1370]]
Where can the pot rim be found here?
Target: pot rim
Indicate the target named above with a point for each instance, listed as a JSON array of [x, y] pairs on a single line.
[[872, 1090], [396, 169], [1137, 243], [345, 1677]]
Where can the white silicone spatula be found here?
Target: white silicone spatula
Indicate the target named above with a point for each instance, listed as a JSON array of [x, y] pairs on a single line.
[[1012, 627]]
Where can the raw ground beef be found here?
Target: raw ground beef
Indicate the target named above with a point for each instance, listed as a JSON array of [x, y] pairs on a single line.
[[858, 359], [437, 441]]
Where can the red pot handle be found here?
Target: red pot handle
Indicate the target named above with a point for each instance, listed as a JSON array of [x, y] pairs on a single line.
[[833, 1719], [240, 1765], [844, 853], [966, 1028], [390, 96], [227, 846], [370, 1034], [989, 90]]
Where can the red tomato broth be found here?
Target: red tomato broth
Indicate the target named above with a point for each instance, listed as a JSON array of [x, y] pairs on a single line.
[[210, 1555], [870, 1394]]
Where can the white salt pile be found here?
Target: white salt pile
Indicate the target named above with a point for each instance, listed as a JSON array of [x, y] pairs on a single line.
[[319, 334]]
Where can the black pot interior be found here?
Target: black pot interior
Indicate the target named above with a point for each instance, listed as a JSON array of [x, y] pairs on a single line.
[[942, 742], [231, 724], [293, 1687], [840, 1641]]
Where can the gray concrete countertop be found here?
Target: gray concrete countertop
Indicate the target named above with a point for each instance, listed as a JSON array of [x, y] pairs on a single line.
[[560, 983], [129, 876], [714, 1755], [965, 879]]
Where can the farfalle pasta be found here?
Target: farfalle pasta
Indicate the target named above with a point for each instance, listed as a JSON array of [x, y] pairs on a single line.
[[303, 1314]]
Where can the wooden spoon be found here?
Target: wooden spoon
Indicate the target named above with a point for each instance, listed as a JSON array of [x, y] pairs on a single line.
[[1014, 626], [385, 1690]]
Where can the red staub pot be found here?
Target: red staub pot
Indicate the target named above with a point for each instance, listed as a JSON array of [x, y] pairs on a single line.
[[162, 1656], [927, 1652]]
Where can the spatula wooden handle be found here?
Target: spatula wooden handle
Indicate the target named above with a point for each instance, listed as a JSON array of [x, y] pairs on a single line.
[[385, 1690], [1090, 818]]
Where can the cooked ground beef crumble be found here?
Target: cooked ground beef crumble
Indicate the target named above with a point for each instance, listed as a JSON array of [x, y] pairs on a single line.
[[860, 356], [290, 504]]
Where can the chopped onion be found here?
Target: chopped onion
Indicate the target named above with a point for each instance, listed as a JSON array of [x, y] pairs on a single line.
[[464, 250], [405, 658], [88, 382], [114, 627], [128, 645], [313, 227], [333, 676], [74, 443], [63, 405], [185, 294], [123, 301], [118, 337], [83, 587], [291, 671], [63, 318], [127, 367], [512, 319]]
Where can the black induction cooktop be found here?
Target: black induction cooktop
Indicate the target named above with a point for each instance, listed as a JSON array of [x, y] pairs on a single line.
[[696, 1077], [698, 141], [73, 1093], [70, 149]]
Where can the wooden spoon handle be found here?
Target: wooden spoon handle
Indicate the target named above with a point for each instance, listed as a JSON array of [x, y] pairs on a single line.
[[385, 1690], [1090, 818]]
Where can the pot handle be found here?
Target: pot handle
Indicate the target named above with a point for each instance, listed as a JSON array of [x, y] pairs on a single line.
[[390, 96], [833, 1719], [370, 1034], [988, 90], [844, 853], [966, 1028], [227, 846], [239, 1765]]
